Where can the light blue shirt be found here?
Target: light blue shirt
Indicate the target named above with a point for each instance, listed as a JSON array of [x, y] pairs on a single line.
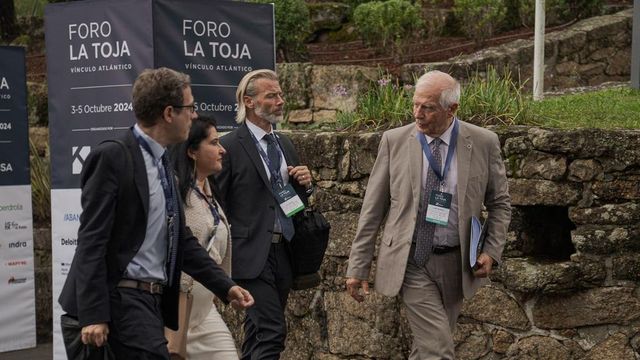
[[446, 236], [149, 263]]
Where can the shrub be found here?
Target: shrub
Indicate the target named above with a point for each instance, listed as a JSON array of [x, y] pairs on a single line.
[[40, 186], [494, 99], [293, 25], [556, 12], [386, 104], [388, 25], [479, 18]]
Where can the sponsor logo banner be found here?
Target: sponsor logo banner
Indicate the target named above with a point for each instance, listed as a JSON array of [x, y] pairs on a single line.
[[14, 128]]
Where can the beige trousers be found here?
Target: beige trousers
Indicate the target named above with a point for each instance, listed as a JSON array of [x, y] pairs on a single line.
[[433, 297]]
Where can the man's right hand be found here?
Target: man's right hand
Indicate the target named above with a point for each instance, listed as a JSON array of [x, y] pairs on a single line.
[[95, 334], [353, 288]]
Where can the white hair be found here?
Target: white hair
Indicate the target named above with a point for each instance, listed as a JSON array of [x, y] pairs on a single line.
[[246, 87], [450, 93]]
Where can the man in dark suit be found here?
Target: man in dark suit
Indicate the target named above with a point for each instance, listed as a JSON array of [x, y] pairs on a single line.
[[123, 283], [261, 183]]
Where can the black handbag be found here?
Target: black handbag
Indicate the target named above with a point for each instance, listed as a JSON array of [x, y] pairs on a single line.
[[76, 350], [308, 247]]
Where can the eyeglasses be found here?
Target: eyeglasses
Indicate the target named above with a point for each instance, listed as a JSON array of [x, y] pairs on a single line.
[[192, 107]]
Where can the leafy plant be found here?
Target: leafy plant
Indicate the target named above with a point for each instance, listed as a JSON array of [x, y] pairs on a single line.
[[556, 12], [386, 104], [293, 25], [40, 186], [479, 19], [389, 24], [494, 99]]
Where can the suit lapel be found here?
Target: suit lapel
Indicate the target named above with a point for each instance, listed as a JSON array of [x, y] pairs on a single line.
[[464, 147], [415, 166], [245, 139], [139, 169]]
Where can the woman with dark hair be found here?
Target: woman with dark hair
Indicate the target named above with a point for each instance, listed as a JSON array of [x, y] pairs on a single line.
[[195, 160]]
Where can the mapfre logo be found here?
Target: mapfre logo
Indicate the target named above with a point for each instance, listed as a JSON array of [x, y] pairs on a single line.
[[16, 263], [12, 225], [14, 280], [79, 154]]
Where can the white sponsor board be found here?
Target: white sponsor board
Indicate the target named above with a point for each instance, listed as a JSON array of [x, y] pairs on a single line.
[[65, 220], [17, 313]]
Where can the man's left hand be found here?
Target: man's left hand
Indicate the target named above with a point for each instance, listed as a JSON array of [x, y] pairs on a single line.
[[485, 263], [239, 298], [301, 174]]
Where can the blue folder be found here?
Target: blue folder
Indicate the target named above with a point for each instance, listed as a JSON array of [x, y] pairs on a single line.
[[478, 234]]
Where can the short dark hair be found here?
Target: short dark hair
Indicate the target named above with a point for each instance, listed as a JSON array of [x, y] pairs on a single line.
[[154, 90]]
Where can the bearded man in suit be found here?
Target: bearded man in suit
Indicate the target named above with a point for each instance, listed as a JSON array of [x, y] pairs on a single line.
[[124, 280], [428, 180], [260, 172]]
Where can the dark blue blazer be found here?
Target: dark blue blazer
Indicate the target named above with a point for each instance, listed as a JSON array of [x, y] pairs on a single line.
[[115, 204]]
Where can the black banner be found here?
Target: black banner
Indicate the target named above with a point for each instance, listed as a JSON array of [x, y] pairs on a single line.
[[95, 50], [14, 126], [216, 43]]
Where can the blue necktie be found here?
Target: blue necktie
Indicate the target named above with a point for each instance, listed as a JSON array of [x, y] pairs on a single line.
[[273, 154], [425, 230]]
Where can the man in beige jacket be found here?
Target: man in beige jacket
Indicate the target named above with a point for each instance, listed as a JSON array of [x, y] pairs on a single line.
[[428, 180]]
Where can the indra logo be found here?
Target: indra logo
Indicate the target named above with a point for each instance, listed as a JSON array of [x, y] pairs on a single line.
[[79, 154], [12, 225], [6, 167], [17, 244]]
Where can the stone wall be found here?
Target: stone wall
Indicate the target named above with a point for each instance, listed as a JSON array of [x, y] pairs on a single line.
[[591, 52], [568, 286]]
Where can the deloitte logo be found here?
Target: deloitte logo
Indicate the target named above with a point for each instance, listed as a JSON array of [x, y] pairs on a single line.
[[11, 207]]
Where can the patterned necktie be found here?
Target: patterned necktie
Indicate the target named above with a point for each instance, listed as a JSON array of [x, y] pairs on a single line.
[[173, 222], [425, 230], [273, 154]]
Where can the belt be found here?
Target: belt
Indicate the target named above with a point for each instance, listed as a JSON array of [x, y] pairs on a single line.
[[276, 238], [438, 250], [150, 287]]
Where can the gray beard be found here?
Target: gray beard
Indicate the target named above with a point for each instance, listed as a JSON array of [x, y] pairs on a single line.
[[271, 118]]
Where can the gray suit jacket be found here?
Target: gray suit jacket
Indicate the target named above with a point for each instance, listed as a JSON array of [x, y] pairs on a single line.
[[393, 196]]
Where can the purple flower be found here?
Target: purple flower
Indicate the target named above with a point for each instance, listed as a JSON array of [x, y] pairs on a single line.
[[340, 90], [383, 81], [408, 87]]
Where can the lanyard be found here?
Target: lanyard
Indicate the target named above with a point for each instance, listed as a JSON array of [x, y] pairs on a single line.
[[275, 173], [212, 206], [427, 152], [164, 177]]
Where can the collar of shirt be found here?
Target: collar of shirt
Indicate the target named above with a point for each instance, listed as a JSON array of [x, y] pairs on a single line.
[[257, 131], [157, 149], [446, 135]]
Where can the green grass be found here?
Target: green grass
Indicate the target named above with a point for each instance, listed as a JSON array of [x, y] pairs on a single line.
[[615, 108], [27, 8]]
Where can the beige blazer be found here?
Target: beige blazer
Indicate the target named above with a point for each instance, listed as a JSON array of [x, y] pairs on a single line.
[[393, 195]]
